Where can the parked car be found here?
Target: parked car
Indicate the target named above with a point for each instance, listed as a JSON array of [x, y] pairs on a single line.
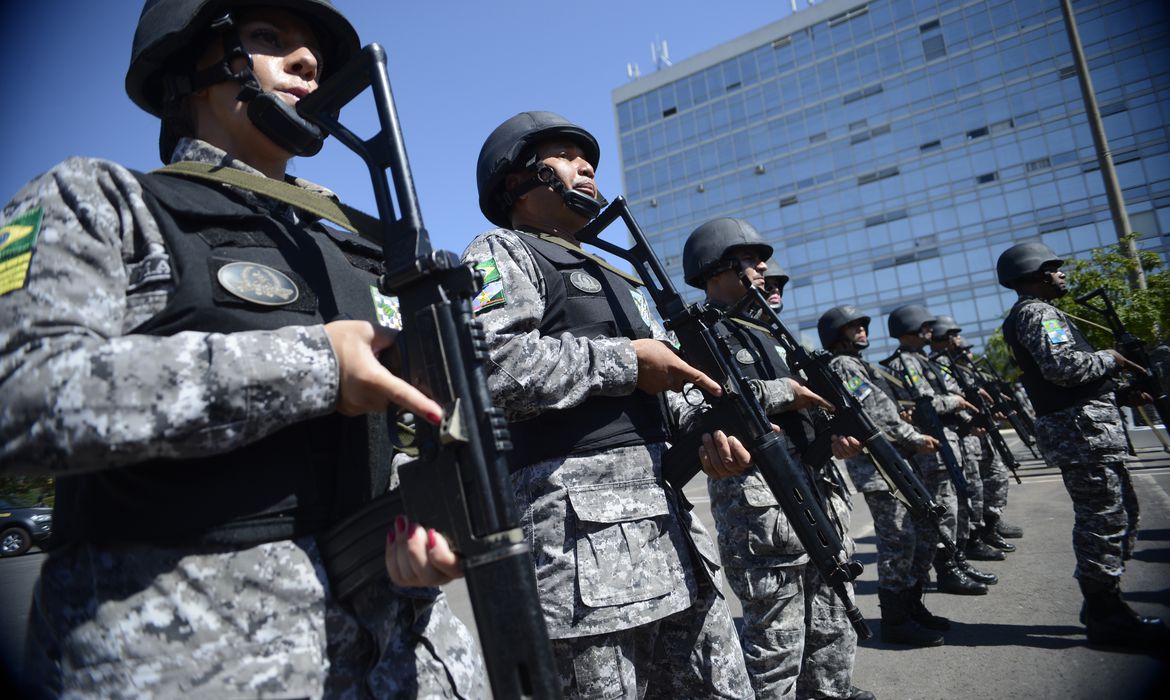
[[22, 526]]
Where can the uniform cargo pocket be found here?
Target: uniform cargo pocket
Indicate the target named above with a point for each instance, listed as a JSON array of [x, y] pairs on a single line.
[[624, 550]]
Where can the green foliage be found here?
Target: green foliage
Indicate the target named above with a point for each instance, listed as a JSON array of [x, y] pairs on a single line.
[[1145, 313], [25, 490]]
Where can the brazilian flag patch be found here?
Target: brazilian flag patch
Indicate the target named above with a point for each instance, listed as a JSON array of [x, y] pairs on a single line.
[[492, 293], [17, 239], [386, 309]]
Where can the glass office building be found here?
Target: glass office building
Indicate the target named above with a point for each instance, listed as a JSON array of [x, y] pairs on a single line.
[[891, 149]]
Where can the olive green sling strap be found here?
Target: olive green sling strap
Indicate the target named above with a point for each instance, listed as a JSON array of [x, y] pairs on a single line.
[[346, 217]]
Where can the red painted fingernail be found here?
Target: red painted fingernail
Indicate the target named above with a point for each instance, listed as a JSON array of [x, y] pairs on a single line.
[[400, 523], [435, 418], [431, 538], [389, 537]]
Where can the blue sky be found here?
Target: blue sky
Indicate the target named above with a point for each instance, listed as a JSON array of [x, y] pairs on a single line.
[[458, 69]]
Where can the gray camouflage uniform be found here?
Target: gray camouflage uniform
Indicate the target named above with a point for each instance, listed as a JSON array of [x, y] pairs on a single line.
[[971, 455], [628, 579], [796, 637], [84, 393], [1087, 444], [913, 367], [897, 534]]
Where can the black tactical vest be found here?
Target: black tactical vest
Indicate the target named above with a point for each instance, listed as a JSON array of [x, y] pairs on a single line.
[[294, 482], [585, 299], [1047, 397], [758, 356]]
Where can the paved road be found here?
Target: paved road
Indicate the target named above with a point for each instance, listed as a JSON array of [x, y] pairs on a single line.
[[1021, 641]]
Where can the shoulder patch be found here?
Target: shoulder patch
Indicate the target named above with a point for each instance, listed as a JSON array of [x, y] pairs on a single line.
[[492, 293], [1057, 332], [17, 240], [386, 309], [643, 306], [858, 387]]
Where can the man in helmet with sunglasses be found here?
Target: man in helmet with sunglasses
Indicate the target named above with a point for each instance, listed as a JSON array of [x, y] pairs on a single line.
[[627, 578], [197, 365], [1078, 430]]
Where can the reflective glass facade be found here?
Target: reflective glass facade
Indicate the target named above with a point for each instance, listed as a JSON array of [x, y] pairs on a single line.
[[890, 150]]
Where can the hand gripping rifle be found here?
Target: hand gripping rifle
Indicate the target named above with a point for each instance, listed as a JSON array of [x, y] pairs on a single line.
[[1133, 349], [459, 484], [985, 416], [848, 417], [1006, 402], [738, 411], [928, 420]]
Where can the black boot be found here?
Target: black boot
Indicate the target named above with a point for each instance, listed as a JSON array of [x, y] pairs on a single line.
[[973, 573], [920, 614], [978, 550], [898, 627], [856, 693], [951, 578], [1011, 532], [989, 535], [1110, 621]]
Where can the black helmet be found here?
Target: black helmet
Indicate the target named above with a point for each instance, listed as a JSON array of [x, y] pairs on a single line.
[[830, 323], [166, 29], [709, 245], [1023, 259], [162, 64], [775, 270], [504, 149], [908, 320], [944, 325]]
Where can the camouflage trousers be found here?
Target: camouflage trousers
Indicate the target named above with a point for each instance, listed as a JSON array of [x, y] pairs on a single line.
[[995, 477], [971, 518], [938, 484], [689, 654], [1087, 444], [903, 546], [796, 639], [139, 621]]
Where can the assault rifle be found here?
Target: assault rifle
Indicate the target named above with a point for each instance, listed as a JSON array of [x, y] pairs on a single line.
[[1133, 349], [1007, 402], [985, 415], [459, 484], [848, 417], [737, 411], [926, 418]]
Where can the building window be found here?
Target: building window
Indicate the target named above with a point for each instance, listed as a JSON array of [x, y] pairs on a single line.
[[788, 201], [934, 47], [848, 15], [930, 145], [977, 133], [669, 112], [986, 178]]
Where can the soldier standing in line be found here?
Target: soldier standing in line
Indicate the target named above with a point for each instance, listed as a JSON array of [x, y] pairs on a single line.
[[796, 638], [628, 579], [971, 526], [911, 325], [172, 351], [775, 279], [1079, 431], [844, 331], [996, 476]]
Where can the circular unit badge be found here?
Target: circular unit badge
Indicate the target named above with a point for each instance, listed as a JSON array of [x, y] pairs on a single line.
[[585, 282], [258, 284], [745, 357]]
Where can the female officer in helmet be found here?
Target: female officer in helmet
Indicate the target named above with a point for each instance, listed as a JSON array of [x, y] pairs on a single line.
[[197, 365]]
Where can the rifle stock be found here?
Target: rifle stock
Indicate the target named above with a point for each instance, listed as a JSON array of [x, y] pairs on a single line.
[[460, 483], [737, 411]]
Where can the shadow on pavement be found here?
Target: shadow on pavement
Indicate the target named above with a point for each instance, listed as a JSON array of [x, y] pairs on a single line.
[[964, 634], [1158, 534]]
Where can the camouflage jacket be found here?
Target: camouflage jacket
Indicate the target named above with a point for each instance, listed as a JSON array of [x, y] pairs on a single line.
[[82, 390], [882, 410], [1060, 363]]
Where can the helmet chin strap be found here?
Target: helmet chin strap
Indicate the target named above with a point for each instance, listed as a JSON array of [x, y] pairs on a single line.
[[544, 176], [271, 115]]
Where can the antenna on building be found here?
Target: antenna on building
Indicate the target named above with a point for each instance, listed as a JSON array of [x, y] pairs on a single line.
[[632, 71], [659, 54]]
